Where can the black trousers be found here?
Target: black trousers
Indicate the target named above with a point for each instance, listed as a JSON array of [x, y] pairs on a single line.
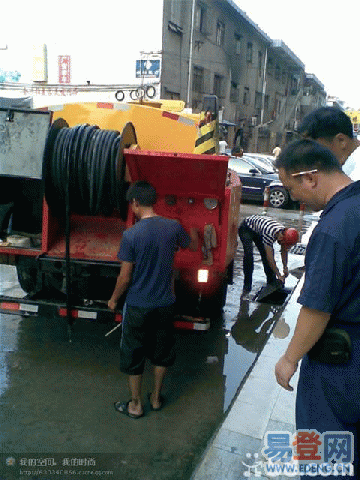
[[248, 237]]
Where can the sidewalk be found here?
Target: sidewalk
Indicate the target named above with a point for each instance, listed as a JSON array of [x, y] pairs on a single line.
[[261, 406]]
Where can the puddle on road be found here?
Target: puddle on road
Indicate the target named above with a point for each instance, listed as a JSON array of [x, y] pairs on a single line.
[[247, 327]]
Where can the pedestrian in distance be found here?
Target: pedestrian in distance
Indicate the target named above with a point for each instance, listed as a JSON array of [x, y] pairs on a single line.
[[276, 152], [332, 128], [328, 392], [264, 232], [147, 253]]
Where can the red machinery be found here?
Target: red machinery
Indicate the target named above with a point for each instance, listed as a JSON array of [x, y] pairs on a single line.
[[65, 252]]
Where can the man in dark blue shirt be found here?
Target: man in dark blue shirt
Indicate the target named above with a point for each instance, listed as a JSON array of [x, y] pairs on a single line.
[[147, 254], [328, 394]]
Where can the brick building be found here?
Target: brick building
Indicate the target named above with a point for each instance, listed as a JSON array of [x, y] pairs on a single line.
[[213, 47]]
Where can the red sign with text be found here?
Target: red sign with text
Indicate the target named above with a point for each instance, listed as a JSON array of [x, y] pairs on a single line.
[[64, 69]]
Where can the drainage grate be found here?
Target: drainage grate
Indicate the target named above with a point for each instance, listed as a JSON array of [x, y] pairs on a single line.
[[276, 297], [298, 249]]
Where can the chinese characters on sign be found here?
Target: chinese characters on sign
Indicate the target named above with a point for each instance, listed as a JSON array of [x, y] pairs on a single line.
[[51, 90], [64, 69], [149, 68]]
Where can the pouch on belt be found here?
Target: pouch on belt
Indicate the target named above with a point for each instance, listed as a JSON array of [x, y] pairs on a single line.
[[333, 347]]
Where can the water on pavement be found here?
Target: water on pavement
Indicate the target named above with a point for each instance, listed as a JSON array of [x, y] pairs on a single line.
[[57, 397]]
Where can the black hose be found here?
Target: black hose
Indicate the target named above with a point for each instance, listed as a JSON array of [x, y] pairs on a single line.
[[94, 162]]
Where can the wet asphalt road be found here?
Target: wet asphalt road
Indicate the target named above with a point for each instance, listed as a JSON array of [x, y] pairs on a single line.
[[57, 397]]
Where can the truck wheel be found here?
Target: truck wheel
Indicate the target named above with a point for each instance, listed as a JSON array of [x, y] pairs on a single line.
[[150, 91], [119, 95], [212, 304], [219, 298], [27, 272]]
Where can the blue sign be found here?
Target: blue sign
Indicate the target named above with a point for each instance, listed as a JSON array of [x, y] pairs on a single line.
[[9, 76], [149, 68]]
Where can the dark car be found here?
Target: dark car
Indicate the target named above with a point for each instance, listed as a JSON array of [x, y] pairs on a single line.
[[255, 176]]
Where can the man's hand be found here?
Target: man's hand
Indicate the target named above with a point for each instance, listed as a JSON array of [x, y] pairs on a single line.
[[284, 370], [286, 272], [112, 304], [122, 283], [194, 239]]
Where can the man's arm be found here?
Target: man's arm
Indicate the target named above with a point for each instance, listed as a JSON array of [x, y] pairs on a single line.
[[309, 328], [284, 259], [122, 283], [271, 259]]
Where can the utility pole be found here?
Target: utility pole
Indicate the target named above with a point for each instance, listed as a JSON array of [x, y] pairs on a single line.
[[263, 88], [190, 53], [263, 93]]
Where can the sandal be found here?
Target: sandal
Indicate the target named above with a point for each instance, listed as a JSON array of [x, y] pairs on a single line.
[[123, 407], [162, 402]]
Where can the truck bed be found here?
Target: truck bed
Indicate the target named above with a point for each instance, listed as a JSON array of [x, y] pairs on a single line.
[[95, 238]]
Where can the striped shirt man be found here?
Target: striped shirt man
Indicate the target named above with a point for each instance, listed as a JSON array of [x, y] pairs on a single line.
[[264, 226]]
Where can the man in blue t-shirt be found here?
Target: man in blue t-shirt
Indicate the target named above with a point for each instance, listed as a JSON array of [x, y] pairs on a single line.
[[328, 392], [147, 254]]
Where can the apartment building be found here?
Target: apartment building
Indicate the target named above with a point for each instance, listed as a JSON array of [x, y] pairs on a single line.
[[213, 47]]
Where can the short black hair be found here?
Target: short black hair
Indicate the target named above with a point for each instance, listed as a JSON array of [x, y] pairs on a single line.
[[143, 192], [305, 155], [326, 122]]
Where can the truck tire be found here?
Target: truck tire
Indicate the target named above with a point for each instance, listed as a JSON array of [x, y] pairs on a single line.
[[119, 95], [219, 298], [28, 273], [150, 91]]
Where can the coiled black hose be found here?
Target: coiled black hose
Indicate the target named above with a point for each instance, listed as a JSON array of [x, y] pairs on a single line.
[[94, 159]]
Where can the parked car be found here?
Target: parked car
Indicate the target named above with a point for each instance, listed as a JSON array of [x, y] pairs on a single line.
[[255, 175], [269, 160]]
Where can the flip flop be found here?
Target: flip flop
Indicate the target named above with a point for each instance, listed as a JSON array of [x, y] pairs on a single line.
[[123, 407], [162, 402]]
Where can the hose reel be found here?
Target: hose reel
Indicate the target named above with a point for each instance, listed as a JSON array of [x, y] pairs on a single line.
[[91, 161]]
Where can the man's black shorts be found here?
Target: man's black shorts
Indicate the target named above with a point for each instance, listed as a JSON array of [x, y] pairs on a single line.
[[146, 333]]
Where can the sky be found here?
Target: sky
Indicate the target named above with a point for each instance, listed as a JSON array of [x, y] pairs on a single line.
[[323, 35], [102, 37]]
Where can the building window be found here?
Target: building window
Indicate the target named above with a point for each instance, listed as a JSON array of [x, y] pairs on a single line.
[[278, 105], [258, 100], [246, 96], [220, 33], [295, 80], [249, 52], [266, 103], [270, 67], [218, 85], [277, 72], [237, 44], [260, 65], [198, 79], [196, 105], [234, 92], [200, 18]]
